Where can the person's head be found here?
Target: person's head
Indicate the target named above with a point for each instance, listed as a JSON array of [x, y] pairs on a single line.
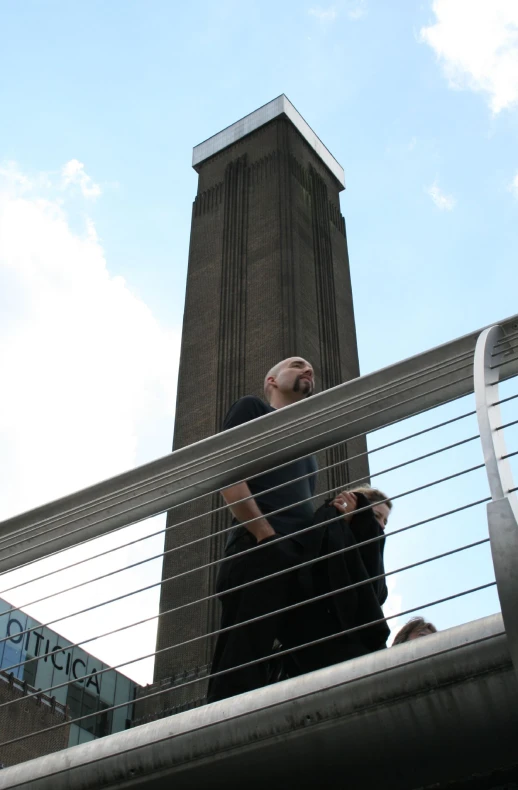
[[415, 628], [380, 502], [289, 381]]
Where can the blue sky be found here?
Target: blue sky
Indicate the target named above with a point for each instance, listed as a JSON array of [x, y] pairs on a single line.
[[128, 88], [102, 104]]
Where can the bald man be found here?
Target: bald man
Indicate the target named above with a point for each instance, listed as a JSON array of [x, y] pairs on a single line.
[[288, 382]]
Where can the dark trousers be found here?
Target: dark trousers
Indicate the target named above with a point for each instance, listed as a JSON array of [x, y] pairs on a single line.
[[313, 622], [319, 621], [249, 642]]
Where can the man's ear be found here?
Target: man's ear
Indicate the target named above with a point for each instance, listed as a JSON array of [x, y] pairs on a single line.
[[271, 381]]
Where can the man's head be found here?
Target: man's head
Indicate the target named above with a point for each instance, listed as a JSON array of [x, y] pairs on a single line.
[[415, 628], [380, 501], [289, 381]]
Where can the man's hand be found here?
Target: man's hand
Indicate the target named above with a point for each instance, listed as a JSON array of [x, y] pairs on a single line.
[[346, 503], [246, 511], [264, 533]]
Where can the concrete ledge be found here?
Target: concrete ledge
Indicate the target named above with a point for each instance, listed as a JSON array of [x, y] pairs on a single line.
[[435, 710]]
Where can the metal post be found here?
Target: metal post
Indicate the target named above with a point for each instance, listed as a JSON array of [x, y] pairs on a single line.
[[502, 511]]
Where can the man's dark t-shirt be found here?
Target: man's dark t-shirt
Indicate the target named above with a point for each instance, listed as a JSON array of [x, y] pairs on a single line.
[[297, 517]]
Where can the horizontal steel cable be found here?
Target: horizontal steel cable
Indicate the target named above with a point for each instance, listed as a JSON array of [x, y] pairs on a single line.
[[224, 559], [503, 400], [227, 558], [20, 533], [227, 529], [268, 577], [225, 506], [282, 485], [213, 492], [277, 655], [505, 362], [505, 350], [261, 473], [382, 388], [209, 635], [380, 448], [506, 425], [506, 338], [265, 578]]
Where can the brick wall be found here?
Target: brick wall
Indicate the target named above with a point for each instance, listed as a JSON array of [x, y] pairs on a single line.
[[27, 715]]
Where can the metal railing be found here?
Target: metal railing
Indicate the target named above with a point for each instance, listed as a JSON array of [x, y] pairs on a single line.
[[495, 352], [383, 407]]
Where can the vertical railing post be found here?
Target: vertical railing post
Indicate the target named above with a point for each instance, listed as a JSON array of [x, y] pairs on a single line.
[[502, 511]]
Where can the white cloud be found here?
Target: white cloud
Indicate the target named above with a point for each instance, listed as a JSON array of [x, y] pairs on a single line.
[[88, 384], [358, 10], [442, 201], [513, 186], [74, 173], [87, 370], [324, 14], [13, 179], [477, 44]]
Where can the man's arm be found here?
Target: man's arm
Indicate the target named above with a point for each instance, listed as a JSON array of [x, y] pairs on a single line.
[[244, 410], [245, 511]]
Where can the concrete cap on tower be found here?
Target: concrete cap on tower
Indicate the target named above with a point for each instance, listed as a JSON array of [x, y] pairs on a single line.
[[279, 106]]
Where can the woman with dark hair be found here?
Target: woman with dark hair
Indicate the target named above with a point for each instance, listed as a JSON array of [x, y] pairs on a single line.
[[346, 562]]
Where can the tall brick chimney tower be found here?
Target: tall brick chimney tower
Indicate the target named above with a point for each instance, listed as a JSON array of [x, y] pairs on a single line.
[[268, 278]]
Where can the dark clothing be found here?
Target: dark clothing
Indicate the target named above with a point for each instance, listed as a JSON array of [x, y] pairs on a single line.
[[241, 645], [250, 642], [297, 517], [344, 610]]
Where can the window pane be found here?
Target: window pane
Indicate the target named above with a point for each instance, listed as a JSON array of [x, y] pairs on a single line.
[[29, 671], [74, 700]]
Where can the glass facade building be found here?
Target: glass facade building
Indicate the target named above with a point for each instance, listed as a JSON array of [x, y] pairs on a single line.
[[58, 662]]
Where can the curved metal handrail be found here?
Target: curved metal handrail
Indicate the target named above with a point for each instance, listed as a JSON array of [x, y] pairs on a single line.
[[502, 511], [486, 380]]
